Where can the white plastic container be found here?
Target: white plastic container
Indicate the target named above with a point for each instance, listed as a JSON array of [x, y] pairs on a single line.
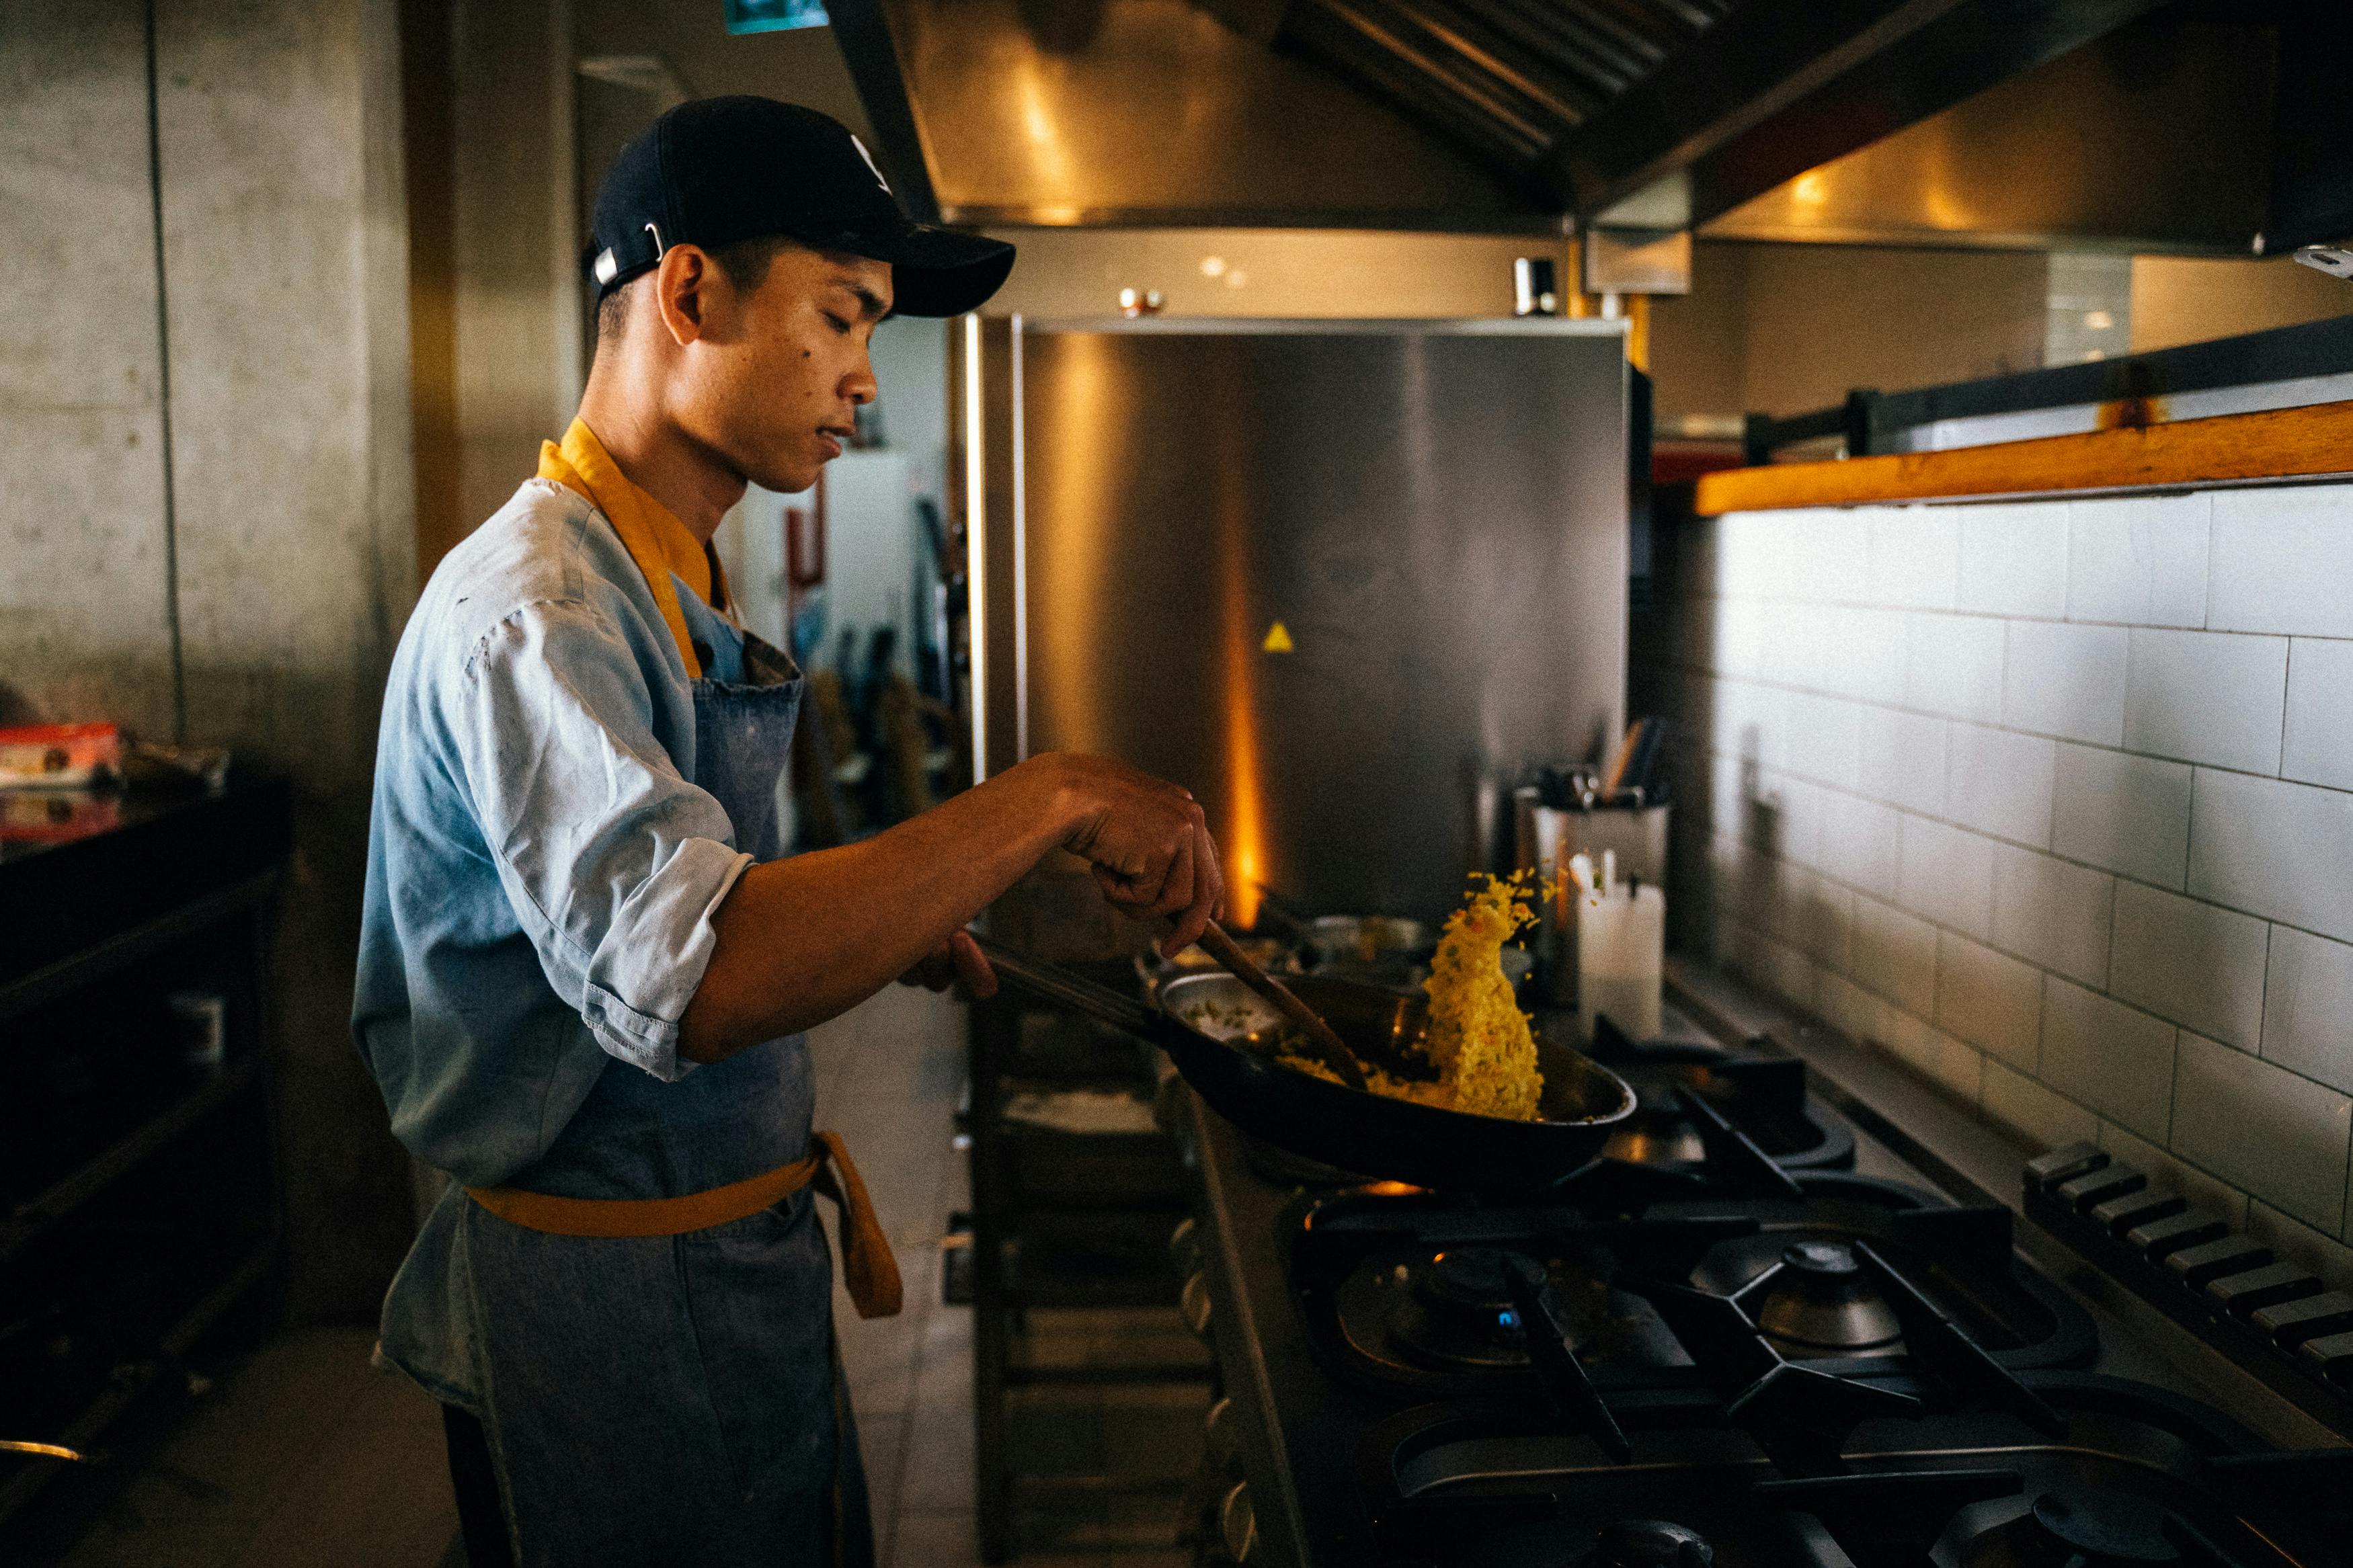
[[1621, 949]]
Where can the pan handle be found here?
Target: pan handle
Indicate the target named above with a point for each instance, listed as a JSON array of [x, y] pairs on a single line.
[[1074, 991]]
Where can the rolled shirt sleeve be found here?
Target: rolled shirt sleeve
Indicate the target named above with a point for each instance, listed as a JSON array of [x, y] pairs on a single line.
[[614, 861]]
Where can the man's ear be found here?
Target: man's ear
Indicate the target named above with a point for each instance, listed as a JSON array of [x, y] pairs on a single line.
[[683, 285]]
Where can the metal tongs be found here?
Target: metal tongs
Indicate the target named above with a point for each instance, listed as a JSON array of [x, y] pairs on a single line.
[[1328, 1048]]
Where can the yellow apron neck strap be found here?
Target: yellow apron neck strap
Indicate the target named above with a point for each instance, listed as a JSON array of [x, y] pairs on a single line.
[[656, 539]]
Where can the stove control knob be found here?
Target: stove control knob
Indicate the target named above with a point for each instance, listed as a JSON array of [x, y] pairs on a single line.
[[1219, 1433], [1238, 1524], [1169, 1104], [1651, 1543], [1185, 1248], [1194, 1302]]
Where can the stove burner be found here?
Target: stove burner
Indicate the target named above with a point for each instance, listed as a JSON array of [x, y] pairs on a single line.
[[2099, 1528], [1659, 1133], [1469, 1276], [1459, 1312], [1818, 1297], [1649, 1544]]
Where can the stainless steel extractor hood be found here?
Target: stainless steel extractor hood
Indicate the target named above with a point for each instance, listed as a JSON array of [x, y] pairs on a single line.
[[2188, 125]]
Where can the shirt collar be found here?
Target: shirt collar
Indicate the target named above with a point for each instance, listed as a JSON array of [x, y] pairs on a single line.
[[662, 545]]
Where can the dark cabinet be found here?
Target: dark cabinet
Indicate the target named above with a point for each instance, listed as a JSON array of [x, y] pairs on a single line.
[[138, 1203]]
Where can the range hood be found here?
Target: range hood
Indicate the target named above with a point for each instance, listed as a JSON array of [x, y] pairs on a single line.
[[2184, 126]]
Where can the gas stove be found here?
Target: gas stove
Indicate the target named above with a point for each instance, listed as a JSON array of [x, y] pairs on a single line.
[[1755, 1332]]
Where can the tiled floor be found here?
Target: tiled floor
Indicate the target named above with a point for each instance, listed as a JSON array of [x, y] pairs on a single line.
[[301, 1455]]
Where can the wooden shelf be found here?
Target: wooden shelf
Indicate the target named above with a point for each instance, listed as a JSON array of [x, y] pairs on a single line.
[[2284, 443]]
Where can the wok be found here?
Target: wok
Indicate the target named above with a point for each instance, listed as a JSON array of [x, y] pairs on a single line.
[[1227, 1061]]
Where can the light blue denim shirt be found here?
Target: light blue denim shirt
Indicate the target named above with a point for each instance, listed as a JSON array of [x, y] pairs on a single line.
[[542, 876]]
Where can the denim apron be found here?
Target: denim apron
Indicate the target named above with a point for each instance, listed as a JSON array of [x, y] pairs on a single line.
[[675, 1398]]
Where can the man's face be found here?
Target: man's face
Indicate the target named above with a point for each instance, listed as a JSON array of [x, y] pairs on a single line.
[[776, 377]]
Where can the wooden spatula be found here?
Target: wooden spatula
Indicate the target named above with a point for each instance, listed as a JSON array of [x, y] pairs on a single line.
[[1329, 1048]]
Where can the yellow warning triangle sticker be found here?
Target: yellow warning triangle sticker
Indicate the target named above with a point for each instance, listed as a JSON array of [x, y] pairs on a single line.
[[1278, 639]]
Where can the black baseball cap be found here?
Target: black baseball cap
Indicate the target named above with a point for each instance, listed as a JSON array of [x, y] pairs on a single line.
[[718, 170]]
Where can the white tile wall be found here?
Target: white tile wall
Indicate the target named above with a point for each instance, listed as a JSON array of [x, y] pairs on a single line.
[[1849, 1009], [1896, 956], [2013, 561], [1998, 782], [2204, 696], [1871, 647], [1915, 555], [1825, 739], [2066, 680], [2123, 813], [2111, 1057], [1903, 760], [1991, 1000], [2281, 561], [2280, 1137], [2052, 802], [2140, 559], [1947, 876], [2281, 850], [1952, 1063], [2053, 912], [1862, 841], [2051, 1120], [1952, 666], [2307, 999], [2197, 965], [2319, 739]]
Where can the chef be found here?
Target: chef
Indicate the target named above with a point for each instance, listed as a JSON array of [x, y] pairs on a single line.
[[585, 966]]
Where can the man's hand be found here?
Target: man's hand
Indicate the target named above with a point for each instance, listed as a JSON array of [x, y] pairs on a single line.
[[808, 937], [959, 962], [1149, 844]]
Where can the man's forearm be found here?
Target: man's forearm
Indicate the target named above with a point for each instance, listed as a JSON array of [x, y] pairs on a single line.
[[805, 939]]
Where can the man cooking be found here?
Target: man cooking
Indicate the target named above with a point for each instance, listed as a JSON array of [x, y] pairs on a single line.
[[584, 968]]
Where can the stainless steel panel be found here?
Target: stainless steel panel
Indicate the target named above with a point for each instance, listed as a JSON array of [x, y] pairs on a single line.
[[1121, 112], [1435, 515], [2166, 132]]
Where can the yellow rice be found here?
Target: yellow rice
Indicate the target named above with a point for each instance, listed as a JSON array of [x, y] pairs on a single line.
[[1478, 1039]]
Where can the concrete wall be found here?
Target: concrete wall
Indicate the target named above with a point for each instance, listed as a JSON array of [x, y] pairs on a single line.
[[2053, 801], [289, 550], [85, 596]]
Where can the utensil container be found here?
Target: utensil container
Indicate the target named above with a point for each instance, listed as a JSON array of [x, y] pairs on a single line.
[[1547, 837]]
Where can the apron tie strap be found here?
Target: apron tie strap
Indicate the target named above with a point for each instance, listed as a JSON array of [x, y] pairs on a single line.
[[868, 1270]]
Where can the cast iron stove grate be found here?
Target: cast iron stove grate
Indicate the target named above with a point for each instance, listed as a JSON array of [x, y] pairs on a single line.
[[2140, 1476], [1425, 1295]]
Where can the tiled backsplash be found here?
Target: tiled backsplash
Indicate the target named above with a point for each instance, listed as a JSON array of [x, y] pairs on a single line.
[[2050, 800]]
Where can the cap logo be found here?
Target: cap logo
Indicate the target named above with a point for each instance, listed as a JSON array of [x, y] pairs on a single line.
[[863, 153]]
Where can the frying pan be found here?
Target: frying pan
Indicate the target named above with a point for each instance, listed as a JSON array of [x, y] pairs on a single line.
[[1226, 1061]]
